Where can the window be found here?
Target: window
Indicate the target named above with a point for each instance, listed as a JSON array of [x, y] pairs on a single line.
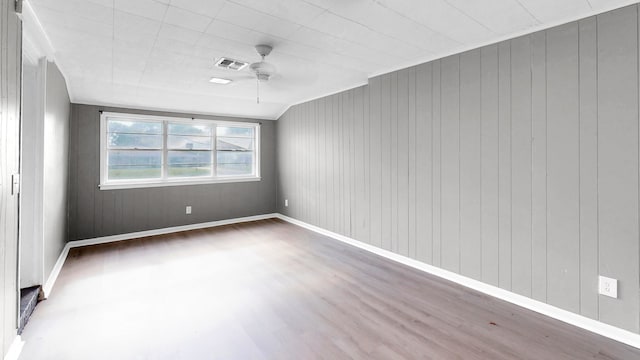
[[146, 151]]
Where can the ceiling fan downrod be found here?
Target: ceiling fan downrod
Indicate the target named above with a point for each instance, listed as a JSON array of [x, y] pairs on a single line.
[[262, 69]]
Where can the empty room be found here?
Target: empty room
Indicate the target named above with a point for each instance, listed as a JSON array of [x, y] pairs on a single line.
[[319, 179]]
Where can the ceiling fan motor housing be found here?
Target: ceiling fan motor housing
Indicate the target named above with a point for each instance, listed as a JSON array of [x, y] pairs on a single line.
[[264, 50]]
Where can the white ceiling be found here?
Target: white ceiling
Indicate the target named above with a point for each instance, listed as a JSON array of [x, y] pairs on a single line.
[[159, 54]]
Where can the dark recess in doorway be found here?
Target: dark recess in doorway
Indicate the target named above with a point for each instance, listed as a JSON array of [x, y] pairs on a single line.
[[28, 302]]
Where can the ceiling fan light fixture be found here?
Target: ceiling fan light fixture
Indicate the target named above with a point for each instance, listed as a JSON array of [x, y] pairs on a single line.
[[221, 81], [263, 77]]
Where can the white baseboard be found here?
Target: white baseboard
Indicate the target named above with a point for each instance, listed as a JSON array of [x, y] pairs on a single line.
[[15, 349], [169, 230], [48, 286], [580, 321]]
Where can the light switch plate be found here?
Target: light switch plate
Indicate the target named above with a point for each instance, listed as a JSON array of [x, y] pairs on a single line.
[[608, 287]]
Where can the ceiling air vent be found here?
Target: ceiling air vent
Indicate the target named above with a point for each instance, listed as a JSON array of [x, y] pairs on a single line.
[[230, 64]]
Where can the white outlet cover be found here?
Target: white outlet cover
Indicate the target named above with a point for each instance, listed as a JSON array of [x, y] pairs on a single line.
[[608, 287], [286, 202], [188, 210]]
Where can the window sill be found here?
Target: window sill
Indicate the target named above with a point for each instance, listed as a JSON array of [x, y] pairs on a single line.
[[139, 185]]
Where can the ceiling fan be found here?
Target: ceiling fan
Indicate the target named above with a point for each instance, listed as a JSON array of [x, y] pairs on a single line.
[[296, 73], [261, 71]]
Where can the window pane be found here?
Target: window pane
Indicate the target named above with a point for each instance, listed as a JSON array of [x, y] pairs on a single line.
[[123, 172], [189, 129], [234, 131], [187, 170], [182, 142], [232, 163], [134, 127], [132, 164], [165, 149], [134, 141], [234, 144], [135, 157], [189, 157], [189, 163]]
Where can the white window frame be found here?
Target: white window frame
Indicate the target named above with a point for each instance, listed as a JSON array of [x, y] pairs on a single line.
[[106, 184]]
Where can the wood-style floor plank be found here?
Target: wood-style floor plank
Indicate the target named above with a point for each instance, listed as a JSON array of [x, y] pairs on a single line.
[[272, 290]]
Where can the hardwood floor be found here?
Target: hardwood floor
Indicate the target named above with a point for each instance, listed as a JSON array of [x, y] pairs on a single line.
[[272, 290]]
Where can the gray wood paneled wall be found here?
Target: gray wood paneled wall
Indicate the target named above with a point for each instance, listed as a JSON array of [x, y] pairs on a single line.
[[515, 164], [10, 90], [94, 212]]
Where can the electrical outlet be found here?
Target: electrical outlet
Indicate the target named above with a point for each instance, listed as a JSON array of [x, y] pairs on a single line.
[[188, 210], [608, 287], [286, 202]]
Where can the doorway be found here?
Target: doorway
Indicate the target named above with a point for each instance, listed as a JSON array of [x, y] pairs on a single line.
[[31, 237]]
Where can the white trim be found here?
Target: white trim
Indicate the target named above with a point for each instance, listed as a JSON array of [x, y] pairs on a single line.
[[169, 230], [461, 49], [222, 116], [39, 180], [164, 180], [148, 184], [568, 317], [31, 263], [509, 36], [580, 321], [37, 42], [48, 286], [15, 349], [257, 152], [329, 93], [51, 280]]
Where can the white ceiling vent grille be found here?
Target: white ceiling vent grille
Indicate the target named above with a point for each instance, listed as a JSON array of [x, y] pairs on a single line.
[[231, 64]]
